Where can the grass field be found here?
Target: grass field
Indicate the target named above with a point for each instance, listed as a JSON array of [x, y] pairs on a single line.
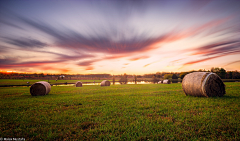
[[32, 81], [119, 112]]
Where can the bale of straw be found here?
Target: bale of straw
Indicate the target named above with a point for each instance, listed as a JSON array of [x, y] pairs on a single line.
[[78, 84], [40, 88], [203, 84], [105, 83], [166, 81]]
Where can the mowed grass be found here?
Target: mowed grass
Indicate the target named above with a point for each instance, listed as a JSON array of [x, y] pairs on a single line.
[[32, 81], [120, 112]]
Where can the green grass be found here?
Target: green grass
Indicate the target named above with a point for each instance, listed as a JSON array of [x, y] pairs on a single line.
[[32, 81], [120, 112]]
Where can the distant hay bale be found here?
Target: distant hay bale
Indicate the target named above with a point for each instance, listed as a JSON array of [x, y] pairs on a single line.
[[78, 84], [166, 81], [203, 84], [40, 88], [161, 81], [105, 83]]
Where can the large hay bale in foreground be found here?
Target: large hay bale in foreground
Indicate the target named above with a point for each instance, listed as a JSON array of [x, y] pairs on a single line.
[[105, 83], [40, 88], [78, 84], [166, 81], [203, 84]]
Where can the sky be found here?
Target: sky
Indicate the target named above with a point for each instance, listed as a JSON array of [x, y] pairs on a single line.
[[116, 37]]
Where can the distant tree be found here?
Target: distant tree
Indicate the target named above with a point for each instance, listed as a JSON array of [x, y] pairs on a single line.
[[154, 79], [182, 74], [174, 76], [230, 75], [123, 79], [113, 80], [159, 75], [167, 76], [135, 79], [236, 75], [222, 73], [41, 75]]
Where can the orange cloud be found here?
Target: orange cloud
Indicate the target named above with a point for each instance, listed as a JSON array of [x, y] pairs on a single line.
[[139, 58], [178, 35], [89, 68], [210, 58]]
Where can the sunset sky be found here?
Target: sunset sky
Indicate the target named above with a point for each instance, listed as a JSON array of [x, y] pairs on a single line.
[[116, 37]]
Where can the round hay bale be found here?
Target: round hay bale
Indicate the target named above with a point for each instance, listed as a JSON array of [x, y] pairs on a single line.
[[105, 83], [40, 88], [78, 84], [166, 81], [203, 84]]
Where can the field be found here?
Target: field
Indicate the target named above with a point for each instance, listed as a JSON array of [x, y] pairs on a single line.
[[32, 81], [119, 112]]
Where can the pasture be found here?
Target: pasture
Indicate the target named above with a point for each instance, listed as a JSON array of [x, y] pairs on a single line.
[[119, 112]]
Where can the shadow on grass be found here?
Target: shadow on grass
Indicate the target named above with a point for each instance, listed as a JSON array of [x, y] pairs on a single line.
[[230, 97], [217, 97]]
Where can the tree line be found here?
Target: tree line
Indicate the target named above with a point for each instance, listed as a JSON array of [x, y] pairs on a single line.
[[221, 72]]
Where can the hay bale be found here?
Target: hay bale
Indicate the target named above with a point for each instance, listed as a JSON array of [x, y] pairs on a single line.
[[78, 84], [166, 81], [203, 84], [40, 88], [161, 81], [105, 83]]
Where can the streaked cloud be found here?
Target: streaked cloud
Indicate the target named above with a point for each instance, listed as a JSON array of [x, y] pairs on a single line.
[[138, 58], [25, 42], [82, 36]]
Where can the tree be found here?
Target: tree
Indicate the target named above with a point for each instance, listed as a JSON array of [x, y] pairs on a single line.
[[174, 76], [230, 74], [236, 75], [182, 74], [167, 76], [154, 79], [123, 79], [135, 79], [113, 80], [159, 75], [222, 73]]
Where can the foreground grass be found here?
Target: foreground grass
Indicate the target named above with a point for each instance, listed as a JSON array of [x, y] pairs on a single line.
[[120, 112]]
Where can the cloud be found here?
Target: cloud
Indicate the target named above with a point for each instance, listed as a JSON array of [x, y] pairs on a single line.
[[89, 68], [213, 57], [74, 57], [13, 63], [11, 24], [25, 42], [86, 63], [147, 65], [104, 37], [238, 61], [114, 57], [216, 48], [139, 58], [100, 43], [62, 70]]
